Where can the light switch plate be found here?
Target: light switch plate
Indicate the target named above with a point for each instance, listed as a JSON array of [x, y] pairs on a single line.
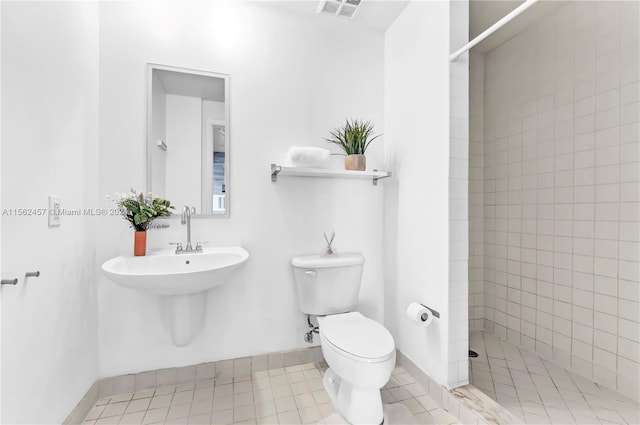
[[55, 210]]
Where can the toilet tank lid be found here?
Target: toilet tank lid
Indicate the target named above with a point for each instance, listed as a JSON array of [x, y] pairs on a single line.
[[326, 261]]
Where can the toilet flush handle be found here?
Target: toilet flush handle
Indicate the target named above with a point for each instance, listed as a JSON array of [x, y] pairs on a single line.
[[311, 273]]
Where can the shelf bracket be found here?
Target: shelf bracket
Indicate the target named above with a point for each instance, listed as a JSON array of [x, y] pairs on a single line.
[[375, 179], [275, 170]]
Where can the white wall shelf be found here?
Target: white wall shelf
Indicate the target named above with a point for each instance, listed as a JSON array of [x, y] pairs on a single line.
[[281, 170]]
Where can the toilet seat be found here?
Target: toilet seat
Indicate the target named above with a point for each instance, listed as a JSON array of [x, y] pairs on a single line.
[[357, 337]]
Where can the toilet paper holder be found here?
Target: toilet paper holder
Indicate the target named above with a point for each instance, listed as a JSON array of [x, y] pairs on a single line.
[[433, 312]]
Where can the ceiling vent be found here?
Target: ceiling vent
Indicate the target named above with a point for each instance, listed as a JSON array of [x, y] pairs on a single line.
[[344, 8]]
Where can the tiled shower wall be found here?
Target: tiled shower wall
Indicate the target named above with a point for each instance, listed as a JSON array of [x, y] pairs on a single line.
[[476, 192], [561, 191], [458, 350]]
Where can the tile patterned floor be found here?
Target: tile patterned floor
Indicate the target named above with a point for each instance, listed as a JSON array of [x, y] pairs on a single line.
[[291, 395], [541, 392]]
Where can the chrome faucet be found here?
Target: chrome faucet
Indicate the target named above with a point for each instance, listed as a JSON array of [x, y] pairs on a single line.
[[186, 219]]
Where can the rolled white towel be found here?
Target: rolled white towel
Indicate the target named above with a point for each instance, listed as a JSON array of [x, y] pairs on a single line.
[[308, 157]]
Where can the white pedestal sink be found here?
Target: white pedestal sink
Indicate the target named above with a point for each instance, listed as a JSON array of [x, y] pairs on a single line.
[[183, 278]]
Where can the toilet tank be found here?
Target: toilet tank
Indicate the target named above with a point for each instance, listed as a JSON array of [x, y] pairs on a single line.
[[328, 284]]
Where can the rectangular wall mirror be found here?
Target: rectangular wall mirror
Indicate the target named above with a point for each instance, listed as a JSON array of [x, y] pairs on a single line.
[[188, 138]]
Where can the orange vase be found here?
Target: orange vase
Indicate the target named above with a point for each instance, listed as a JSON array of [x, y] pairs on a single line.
[[140, 244], [355, 162]]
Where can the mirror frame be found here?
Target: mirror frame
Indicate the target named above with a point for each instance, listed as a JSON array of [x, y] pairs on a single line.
[[149, 101]]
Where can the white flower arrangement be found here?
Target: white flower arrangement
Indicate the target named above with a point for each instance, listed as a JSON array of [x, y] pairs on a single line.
[[141, 209]]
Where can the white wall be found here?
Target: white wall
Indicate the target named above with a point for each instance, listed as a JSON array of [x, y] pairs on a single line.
[[416, 205], [1, 206], [562, 190], [212, 110], [49, 146], [271, 56], [184, 136]]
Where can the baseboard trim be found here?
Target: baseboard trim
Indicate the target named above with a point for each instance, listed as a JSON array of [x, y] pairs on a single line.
[[77, 415]]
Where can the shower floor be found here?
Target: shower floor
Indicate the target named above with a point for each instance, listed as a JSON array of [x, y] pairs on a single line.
[[541, 392]]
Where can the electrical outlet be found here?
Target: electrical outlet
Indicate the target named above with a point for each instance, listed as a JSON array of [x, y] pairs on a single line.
[[55, 210]]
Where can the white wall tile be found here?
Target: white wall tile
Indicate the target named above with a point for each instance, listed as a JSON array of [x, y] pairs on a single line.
[[630, 133], [629, 270], [606, 230], [604, 359], [607, 118], [629, 251], [607, 136], [582, 350], [607, 100], [607, 211], [629, 231], [606, 285], [630, 93], [628, 329], [607, 174], [629, 349], [629, 211], [605, 340], [629, 114], [628, 290], [629, 192], [607, 81], [605, 304], [630, 152], [607, 156], [604, 322], [607, 193], [582, 246], [584, 106], [629, 172], [629, 310]]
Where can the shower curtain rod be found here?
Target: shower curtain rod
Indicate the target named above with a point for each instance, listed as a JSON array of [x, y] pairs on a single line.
[[493, 28]]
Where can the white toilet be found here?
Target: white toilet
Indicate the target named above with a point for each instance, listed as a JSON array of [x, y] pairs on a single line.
[[360, 352]]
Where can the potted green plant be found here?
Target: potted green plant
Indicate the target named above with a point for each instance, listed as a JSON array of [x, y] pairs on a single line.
[[140, 210], [354, 137]]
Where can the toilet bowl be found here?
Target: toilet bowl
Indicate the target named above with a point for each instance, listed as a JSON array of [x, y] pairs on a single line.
[[361, 355], [360, 352]]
